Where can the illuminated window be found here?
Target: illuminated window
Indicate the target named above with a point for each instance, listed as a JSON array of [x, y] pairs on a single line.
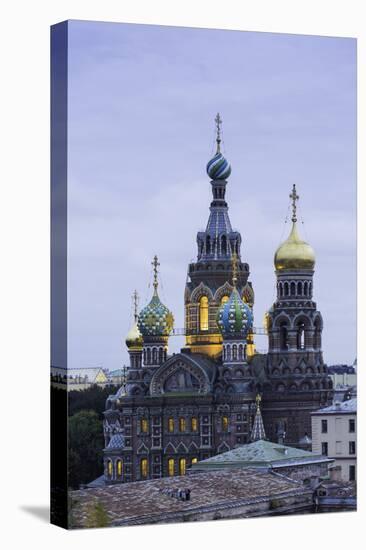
[[225, 423], [119, 468], [194, 460], [170, 425], [224, 299], [110, 468], [204, 313], [182, 466], [194, 424], [144, 467], [182, 424], [171, 466], [144, 425]]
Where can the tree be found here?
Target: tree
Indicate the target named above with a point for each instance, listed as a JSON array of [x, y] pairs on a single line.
[[86, 444], [92, 398]]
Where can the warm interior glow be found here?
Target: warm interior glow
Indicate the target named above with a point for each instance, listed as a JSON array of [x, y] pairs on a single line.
[[110, 468], [171, 466], [225, 423], [144, 425], [182, 424], [224, 299], [204, 313], [119, 467], [171, 425], [194, 460], [144, 467], [194, 424], [182, 466]]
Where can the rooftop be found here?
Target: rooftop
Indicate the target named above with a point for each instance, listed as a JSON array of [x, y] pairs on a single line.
[[260, 453], [344, 407], [145, 501]]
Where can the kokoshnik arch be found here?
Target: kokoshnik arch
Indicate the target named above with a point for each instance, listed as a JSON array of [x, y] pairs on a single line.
[[176, 410]]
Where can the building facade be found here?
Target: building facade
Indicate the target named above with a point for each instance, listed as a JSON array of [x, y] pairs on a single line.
[[178, 409], [334, 431]]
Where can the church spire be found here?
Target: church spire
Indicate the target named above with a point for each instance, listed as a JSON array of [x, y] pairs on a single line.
[[258, 426]]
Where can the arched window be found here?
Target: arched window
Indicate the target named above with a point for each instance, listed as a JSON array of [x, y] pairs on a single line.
[[194, 424], [235, 352], [154, 356], [286, 288], [299, 288], [301, 335], [182, 424], [225, 423], [241, 352], [305, 288], [194, 460], [283, 336], [182, 466], [144, 425], [148, 356], [204, 313], [293, 289], [144, 468], [223, 244], [208, 245], [171, 425], [310, 289], [161, 355], [280, 285], [171, 467], [119, 468], [110, 469]]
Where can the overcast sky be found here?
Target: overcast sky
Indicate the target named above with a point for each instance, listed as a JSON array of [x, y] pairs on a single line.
[[142, 102]]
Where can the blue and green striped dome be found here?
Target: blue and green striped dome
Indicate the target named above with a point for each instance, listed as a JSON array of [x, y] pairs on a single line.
[[155, 319], [234, 317], [218, 168]]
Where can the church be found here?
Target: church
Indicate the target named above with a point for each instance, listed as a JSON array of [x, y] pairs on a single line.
[[175, 410]]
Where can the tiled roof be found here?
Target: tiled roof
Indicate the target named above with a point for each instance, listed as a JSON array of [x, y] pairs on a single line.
[[146, 502], [117, 442], [344, 407]]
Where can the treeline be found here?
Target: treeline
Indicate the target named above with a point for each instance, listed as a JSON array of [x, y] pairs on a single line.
[[85, 433]]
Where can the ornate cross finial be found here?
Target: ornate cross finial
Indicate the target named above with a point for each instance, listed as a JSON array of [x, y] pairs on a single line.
[[294, 197], [135, 298], [234, 261], [155, 265], [218, 121], [258, 400]]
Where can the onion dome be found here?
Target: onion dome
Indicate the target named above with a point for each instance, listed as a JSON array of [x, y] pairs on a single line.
[[134, 338], [218, 168], [235, 318], [155, 319], [294, 253]]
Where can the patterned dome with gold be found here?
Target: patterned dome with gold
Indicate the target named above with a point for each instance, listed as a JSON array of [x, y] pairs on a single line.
[[155, 319], [294, 253]]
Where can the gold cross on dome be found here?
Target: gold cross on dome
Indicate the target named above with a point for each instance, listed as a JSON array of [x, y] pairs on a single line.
[[218, 121], [234, 261], [155, 264], [135, 298], [294, 197]]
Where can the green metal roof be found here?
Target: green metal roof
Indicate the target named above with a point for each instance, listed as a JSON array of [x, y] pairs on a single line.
[[261, 454]]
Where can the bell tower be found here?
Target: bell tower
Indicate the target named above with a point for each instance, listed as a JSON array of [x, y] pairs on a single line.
[[208, 285], [296, 371]]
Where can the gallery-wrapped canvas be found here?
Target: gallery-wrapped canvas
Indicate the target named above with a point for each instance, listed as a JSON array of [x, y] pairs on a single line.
[[203, 343]]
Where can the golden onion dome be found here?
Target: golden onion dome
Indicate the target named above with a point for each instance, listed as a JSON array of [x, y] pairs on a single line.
[[134, 338], [294, 253]]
